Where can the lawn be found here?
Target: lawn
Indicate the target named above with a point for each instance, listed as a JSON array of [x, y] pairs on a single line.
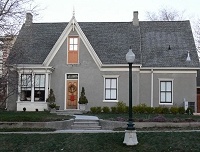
[[102, 142], [30, 116], [149, 117]]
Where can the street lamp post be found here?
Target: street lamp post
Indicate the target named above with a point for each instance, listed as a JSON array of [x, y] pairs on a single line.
[[130, 132]]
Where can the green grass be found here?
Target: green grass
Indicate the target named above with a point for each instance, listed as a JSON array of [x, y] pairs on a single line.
[[30, 116], [102, 142], [26, 129], [148, 117]]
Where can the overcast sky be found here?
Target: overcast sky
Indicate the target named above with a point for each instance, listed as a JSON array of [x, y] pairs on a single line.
[[109, 10]]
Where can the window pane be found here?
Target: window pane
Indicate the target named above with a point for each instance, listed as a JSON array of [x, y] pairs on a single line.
[[162, 86], [168, 86], [168, 97], [113, 83], [162, 97], [42, 80], [107, 83], [71, 47], [71, 41], [107, 94], [75, 40], [37, 80], [76, 47], [113, 94]]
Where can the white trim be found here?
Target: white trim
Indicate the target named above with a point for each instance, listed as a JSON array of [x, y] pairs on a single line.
[[77, 50], [110, 100], [32, 87], [170, 71], [170, 68], [110, 77], [63, 37], [46, 86], [167, 79], [152, 87], [65, 108]]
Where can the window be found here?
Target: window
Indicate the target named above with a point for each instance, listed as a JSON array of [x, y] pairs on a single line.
[[32, 85], [73, 49], [26, 85], [39, 87], [165, 91], [110, 88]]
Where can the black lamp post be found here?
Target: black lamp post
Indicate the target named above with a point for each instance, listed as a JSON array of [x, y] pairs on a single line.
[[130, 137], [130, 57]]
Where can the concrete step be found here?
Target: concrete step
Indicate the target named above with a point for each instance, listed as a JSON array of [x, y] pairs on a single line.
[[68, 112], [87, 124], [82, 122], [81, 127]]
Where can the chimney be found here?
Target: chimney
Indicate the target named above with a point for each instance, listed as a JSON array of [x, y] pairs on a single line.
[[135, 18], [29, 19]]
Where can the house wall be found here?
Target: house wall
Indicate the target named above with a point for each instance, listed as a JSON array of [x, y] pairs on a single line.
[[90, 77], [184, 86]]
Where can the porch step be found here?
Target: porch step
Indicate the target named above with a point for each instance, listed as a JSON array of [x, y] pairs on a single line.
[[82, 123], [68, 112]]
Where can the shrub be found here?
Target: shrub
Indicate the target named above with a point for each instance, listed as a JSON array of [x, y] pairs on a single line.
[[149, 110], [181, 110], [121, 107], [158, 110], [165, 110], [126, 109], [99, 110], [83, 99], [141, 108], [93, 109], [174, 110], [113, 109], [189, 111], [106, 109]]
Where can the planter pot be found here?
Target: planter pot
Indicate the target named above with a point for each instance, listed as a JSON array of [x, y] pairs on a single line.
[[53, 110], [82, 107]]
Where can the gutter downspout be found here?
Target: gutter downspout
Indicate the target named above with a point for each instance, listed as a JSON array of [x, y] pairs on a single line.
[[151, 87]]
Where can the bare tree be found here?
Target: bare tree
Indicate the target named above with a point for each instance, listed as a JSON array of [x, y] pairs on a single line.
[[166, 14], [170, 14], [12, 15]]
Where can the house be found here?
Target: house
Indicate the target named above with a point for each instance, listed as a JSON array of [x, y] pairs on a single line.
[[68, 56], [6, 43]]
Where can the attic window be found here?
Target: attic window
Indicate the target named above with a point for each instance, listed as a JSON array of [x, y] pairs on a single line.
[[73, 48]]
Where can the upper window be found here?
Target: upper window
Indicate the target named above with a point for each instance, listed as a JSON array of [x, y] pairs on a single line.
[[110, 88], [73, 47], [165, 91]]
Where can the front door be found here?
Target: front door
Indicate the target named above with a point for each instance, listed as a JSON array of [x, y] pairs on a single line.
[[198, 100], [72, 91]]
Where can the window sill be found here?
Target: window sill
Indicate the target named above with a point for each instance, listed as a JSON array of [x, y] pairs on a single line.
[[166, 103], [110, 100]]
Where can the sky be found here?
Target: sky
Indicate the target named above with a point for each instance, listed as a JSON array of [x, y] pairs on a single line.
[[109, 10]]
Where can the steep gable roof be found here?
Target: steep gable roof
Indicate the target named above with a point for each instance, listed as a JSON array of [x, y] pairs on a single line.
[[34, 42], [111, 40], [166, 44]]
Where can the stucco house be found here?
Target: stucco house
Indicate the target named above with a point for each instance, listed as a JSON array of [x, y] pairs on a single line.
[[68, 56]]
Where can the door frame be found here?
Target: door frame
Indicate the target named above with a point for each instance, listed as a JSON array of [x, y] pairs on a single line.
[[67, 90]]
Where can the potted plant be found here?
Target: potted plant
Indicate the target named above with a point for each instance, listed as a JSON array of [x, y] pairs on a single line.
[[51, 100], [82, 100]]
